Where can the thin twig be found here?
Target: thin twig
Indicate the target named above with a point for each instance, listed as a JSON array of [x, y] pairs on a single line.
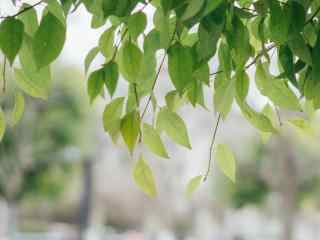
[[253, 62], [23, 10], [313, 16], [279, 116], [4, 74], [211, 147], [153, 86]]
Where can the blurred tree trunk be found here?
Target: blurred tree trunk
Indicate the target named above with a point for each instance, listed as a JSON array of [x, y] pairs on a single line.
[[86, 198], [288, 192], [12, 221]]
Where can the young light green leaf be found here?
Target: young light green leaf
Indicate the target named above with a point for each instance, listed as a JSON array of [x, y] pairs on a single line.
[[224, 94], [173, 126], [112, 117], [276, 89], [242, 85], [130, 62], [106, 43], [193, 185], [95, 84], [48, 40], [11, 36], [18, 109], [90, 57], [143, 177], [153, 141], [257, 119], [136, 24], [2, 124], [130, 129], [174, 100], [111, 76], [225, 161], [36, 85], [30, 20]]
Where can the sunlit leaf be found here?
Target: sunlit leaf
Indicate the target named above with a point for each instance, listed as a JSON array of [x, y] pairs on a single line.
[[143, 177], [225, 161], [153, 141], [193, 185], [18, 109]]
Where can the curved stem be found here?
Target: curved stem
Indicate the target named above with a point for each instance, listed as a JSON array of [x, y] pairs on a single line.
[[211, 147]]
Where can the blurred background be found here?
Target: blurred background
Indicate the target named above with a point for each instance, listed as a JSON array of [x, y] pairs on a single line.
[[61, 177]]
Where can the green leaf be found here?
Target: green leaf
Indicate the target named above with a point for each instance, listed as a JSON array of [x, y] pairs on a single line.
[[130, 62], [106, 44], [303, 127], [242, 85], [153, 141], [112, 117], [276, 89], [36, 85], [173, 126], [174, 101], [238, 40], [299, 48], [316, 62], [143, 177], [165, 26], [2, 124], [287, 62], [257, 119], [111, 76], [130, 129], [48, 40], [224, 93], [18, 109], [209, 33], [56, 9], [212, 5], [137, 24], [225, 161], [180, 61], [11, 36], [193, 185], [279, 22], [202, 73], [30, 20], [192, 9], [90, 57], [95, 84]]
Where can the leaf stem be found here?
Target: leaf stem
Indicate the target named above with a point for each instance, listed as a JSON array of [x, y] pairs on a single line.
[[211, 147]]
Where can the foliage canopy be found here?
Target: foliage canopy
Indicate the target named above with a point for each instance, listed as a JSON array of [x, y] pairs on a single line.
[[188, 34]]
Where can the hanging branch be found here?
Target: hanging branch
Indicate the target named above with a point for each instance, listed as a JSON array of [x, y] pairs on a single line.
[[211, 147], [23, 10]]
